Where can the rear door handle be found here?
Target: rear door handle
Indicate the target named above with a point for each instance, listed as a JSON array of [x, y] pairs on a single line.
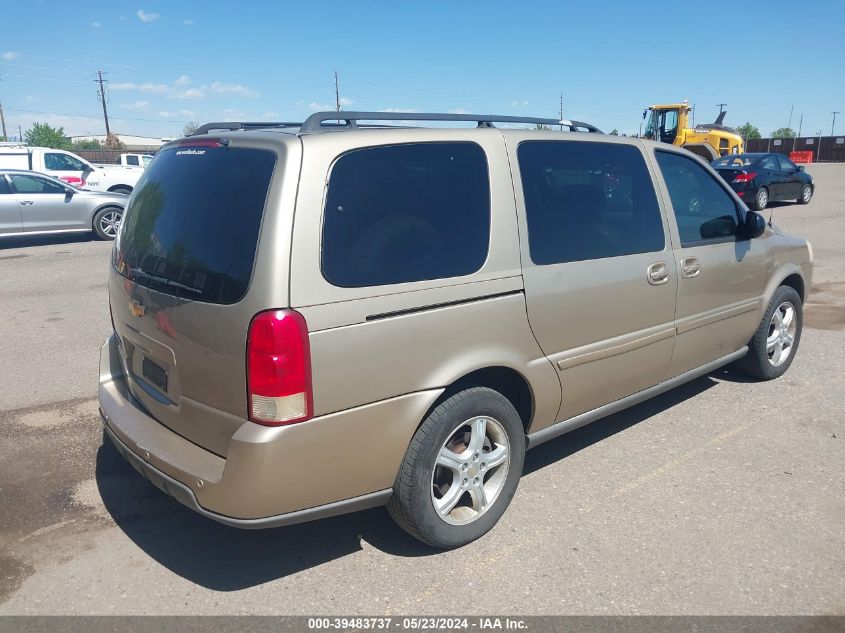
[[690, 267], [26, 202], [658, 273]]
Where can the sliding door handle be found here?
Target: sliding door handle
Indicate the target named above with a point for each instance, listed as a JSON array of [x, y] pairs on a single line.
[[690, 267]]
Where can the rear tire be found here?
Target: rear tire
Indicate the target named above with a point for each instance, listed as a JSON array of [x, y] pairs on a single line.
[[126, 190], [806, 194], [461, 469], [107, 222], [761, 199], [775, 343]]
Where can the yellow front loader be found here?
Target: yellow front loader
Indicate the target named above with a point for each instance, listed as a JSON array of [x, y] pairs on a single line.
[[670, 124]]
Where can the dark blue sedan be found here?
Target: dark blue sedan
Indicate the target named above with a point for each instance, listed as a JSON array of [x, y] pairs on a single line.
[[761, 178]]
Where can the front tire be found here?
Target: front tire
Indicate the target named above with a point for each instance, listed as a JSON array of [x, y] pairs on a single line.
[[461, 469], [107, 222], [774, 344], [761, 200], [806, 194]]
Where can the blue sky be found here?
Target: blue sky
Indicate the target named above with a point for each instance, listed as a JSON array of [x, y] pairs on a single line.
[[173, 62]]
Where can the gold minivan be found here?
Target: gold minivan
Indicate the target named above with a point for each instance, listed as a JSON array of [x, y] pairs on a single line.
[[315, 318]]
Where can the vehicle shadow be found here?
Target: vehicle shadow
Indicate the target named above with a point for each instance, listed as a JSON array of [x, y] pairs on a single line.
[[25, 241], [228, 559]]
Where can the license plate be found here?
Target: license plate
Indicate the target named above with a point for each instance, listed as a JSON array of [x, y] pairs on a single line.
[[155, 373]]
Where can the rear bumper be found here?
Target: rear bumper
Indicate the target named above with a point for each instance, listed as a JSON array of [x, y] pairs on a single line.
[[337, 463]]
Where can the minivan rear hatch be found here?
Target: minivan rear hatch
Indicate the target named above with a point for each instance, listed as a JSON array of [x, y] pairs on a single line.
[[182, 262]]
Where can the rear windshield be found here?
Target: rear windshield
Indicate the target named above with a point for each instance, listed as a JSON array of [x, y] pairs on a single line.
[[191, 226]]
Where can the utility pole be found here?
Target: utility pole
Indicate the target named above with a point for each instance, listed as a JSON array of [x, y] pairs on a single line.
[[831, 125], [561, 111], [3, 121], [102, 96], [693, 115], [789, 125], [20, 134], [336, 93], [800, 123], [721, 107]]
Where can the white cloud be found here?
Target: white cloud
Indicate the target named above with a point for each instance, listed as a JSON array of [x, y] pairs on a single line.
[[145, 87], [188, 22], [9, 56], [518, 104], [142, 106], [268, 115], [458, 111], [190, 93], [398, 110], [345, 102], [29, 99], [320, 107], [179, 113], [147, 17], [183, 80], [221, 88], [96, 25]]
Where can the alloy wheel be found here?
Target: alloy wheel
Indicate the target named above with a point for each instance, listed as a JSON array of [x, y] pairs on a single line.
[[470, 470], [782, 330]]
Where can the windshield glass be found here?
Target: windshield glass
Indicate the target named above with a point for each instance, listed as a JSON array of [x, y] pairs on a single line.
[[191, 227], [147, 160]]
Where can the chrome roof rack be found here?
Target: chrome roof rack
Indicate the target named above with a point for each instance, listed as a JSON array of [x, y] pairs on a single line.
[[349, 120]]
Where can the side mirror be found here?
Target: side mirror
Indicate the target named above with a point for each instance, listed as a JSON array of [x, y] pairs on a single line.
[[754, 225], [69, 191]]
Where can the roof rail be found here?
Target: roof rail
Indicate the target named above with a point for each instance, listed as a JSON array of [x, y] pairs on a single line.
[[314, 123], [246, 125]]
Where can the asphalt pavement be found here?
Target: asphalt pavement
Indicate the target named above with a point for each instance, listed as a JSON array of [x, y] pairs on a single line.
[[724, 496]]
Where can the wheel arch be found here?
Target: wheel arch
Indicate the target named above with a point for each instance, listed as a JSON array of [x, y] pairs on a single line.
[[512, 384], [115, 188], [787, 275]]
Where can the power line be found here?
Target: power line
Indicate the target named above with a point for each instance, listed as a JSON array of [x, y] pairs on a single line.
[[95, 116], [78, 61], [73, 81]]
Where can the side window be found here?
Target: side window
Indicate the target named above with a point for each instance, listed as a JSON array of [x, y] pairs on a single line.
[[62, 162], [588, 201], [703, 209], [4, 186], [34, 184], [402, 213], [786, 164], [132, 160], [770, 162]]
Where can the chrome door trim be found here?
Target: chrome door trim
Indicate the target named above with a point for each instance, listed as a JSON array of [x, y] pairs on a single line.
[[696, 321], [614, 347], [551, 432]]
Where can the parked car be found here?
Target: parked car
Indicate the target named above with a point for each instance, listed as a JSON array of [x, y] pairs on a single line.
[[762, 178], [32, 204], [384, 322], [135, 160], [69, 168]]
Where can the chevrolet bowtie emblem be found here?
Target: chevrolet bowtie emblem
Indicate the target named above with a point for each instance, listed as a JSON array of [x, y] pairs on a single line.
[[136, 308]]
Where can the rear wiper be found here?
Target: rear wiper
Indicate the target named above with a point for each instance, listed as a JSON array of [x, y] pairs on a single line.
[[163, 280]]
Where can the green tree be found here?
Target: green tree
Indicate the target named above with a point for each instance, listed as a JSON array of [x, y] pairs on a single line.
[[190, 128], [784, 132], [614, 132], [45, 135], [87, 143], [748, 131]]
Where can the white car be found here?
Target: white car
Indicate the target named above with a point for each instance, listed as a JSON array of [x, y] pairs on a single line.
[[70, 168]]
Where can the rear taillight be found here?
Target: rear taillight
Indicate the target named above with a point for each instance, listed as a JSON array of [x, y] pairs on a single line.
[[279, 368], [745, 177]]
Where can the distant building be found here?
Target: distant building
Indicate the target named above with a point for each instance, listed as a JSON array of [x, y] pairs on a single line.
[[132, 143]]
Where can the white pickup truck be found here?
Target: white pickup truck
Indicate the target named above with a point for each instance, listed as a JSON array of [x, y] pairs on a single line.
[[70, 168]]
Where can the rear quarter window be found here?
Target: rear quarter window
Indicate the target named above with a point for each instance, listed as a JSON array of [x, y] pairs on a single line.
[[404, 213]]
